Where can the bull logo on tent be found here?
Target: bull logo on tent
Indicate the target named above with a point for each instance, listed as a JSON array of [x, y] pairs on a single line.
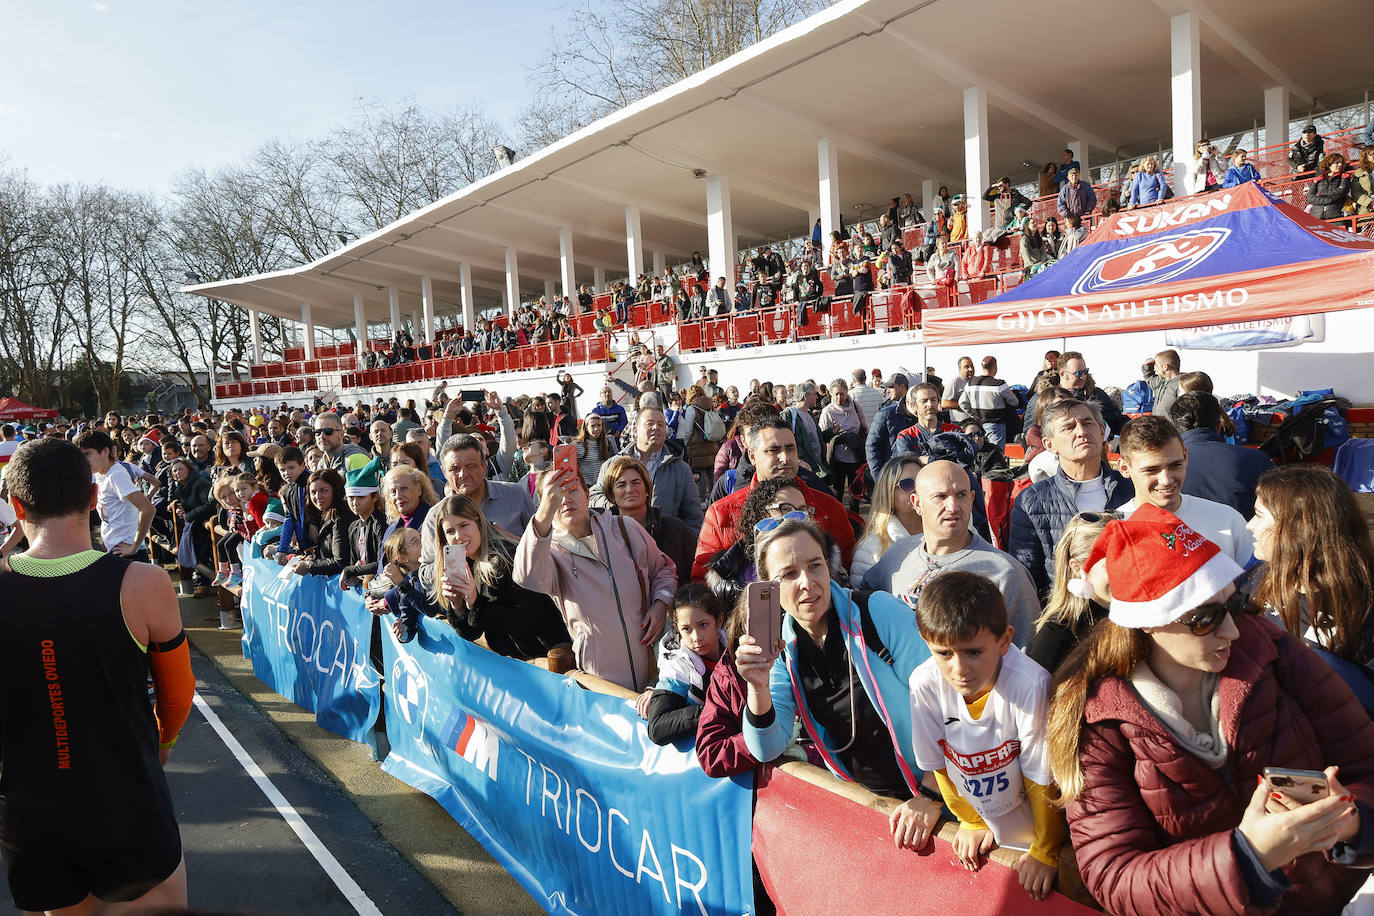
[[1153, 261]]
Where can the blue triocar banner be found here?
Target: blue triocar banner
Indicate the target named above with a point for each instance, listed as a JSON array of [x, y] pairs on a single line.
[[562, 785], [309, 641]]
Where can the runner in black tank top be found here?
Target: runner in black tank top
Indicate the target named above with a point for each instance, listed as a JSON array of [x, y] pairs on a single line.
[[84, 804]]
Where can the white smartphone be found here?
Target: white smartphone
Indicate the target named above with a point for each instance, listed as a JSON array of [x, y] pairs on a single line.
[[455, 561]]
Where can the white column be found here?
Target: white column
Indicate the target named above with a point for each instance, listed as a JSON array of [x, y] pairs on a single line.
[[660, 263], [1185, 56], [598, 279], [359, 326], [828, 173], [977, 171], [394, 298], [465, 290], [1276, 116], [512, 281], [550, 290], [427, 297], [1080, 152], [415, 325], [565, 263], [720, 230], [308, 330], [255, 331], [634, 242]]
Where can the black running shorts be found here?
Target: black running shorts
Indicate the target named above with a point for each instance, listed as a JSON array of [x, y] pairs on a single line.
[[41, 880]]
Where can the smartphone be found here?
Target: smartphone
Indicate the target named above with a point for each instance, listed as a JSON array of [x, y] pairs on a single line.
[[468, 395], [565, 456], [1303, 786], [455, 561], [764, 621]]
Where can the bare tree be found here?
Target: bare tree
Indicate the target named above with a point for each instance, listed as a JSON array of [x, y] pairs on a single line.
[[35, 328], [390, 161], [614, 52]]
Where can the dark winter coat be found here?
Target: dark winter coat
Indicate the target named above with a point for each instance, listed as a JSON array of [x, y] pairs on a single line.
[[1043, 509], [1154, 829], [720, 730]]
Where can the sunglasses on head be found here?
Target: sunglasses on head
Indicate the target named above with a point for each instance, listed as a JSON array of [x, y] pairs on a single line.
[[1205, 618], [1092, 518], [768, 524]]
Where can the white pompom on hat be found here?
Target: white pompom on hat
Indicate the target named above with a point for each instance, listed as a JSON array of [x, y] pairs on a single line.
[[1158, 568]]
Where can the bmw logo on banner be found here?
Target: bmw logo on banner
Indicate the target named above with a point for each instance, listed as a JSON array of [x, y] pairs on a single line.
[[1155, 260]]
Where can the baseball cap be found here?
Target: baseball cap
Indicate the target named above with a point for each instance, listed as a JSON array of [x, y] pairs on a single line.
[[898, 378]]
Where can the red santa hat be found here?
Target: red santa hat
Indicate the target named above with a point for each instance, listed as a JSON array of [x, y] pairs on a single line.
[[1158, 568]]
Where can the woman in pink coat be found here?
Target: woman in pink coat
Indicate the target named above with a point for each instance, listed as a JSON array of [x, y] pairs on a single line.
[[608, 578], [1163, 721]]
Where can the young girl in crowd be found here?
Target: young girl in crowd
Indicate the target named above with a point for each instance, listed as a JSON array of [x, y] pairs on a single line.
[[402, 555], [1068, 616], [692, 646], [1317, 578], [227, 538]]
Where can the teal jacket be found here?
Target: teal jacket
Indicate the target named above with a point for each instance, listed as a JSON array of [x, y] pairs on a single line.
[[885, 684]]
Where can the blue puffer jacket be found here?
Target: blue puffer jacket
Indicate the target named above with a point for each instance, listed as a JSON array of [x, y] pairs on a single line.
[[885, 684], [882, 434], [1042, 511]]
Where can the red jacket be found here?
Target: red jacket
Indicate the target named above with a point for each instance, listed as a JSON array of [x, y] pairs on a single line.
[[1153, 829], [718, 529], [720, 730]]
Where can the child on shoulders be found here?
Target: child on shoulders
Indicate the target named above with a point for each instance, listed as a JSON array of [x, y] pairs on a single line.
[[979, 709]]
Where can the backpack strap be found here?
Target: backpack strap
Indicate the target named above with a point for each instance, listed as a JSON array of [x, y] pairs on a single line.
[[871, 637]]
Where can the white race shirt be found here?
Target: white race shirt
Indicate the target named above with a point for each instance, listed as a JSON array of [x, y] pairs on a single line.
[[118, 516], [987, 757]]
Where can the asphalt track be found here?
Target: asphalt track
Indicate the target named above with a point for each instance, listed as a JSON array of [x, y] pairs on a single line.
[[404, 852]]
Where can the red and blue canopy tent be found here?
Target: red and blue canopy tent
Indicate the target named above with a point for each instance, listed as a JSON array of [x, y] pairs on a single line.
[[1230, 256]]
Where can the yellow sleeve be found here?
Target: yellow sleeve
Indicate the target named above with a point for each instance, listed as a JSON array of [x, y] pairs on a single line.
[[957, 805], [1050, 827]]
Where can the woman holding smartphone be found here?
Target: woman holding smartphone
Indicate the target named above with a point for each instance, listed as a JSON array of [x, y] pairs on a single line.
[[475, 592], [1163, 722], [841, 666]]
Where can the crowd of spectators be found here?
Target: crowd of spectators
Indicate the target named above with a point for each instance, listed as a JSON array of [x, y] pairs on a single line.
[[864, 258], [1152, 615]]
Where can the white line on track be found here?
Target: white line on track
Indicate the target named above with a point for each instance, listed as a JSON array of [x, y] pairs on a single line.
[[336, 872]]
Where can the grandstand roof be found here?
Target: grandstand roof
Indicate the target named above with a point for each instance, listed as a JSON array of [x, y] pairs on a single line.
[[885, 80]]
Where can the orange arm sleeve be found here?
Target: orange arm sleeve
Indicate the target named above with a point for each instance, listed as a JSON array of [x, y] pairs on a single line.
[[173, 684]]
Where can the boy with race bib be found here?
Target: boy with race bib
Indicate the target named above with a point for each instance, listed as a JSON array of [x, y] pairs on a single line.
[[979, 709]]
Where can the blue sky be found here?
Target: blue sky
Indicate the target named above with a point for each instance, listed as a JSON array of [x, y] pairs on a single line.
[[132, 92]]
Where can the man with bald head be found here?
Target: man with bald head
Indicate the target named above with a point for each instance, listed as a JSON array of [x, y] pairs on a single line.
[[944, 501]]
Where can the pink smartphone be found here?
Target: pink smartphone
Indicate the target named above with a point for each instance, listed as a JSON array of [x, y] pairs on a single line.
[[565, 456], [764, 620]]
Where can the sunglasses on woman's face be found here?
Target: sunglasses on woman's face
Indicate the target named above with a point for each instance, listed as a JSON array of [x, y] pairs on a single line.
[[1207, 617], [768, 524], [907, 485]]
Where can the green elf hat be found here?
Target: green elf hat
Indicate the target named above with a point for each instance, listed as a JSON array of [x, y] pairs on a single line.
[[274, 513], [363, 480]]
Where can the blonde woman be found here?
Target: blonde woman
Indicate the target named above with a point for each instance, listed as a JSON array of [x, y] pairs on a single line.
[[1149, 186], [1068, 617], [891, 516], [480, 600]]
